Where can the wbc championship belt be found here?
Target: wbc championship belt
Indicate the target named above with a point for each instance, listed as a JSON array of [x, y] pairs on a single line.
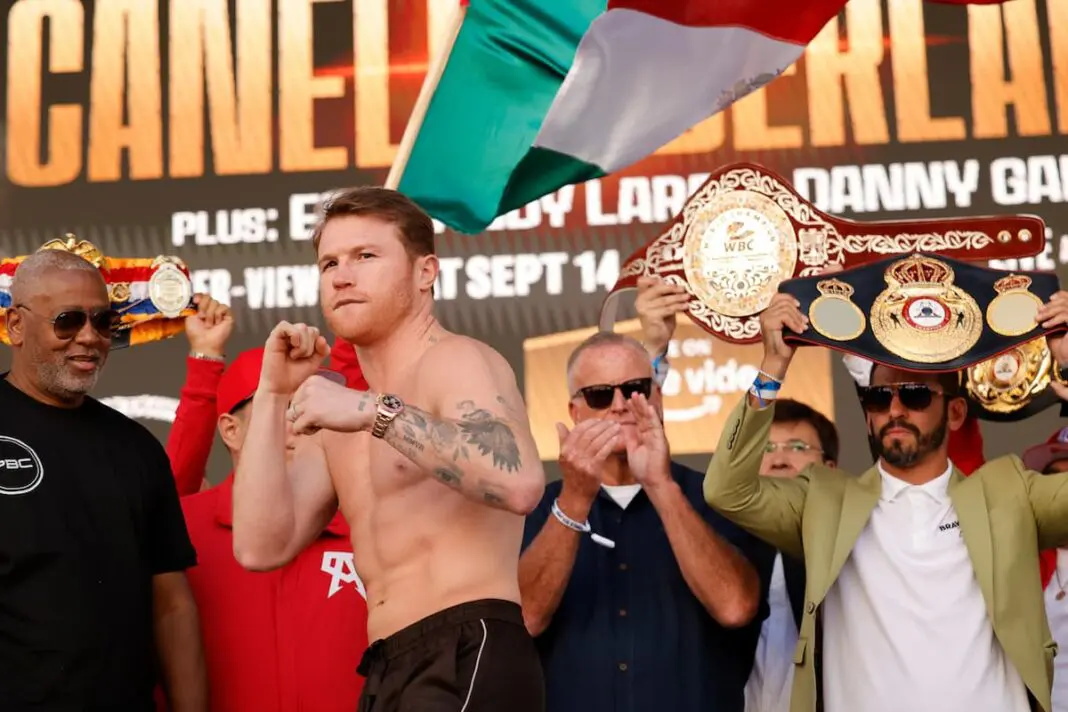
[[151, 297], [924, 312], [745, 230]]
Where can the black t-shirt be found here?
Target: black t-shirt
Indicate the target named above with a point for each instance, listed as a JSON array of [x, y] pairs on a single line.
[[88, 515]]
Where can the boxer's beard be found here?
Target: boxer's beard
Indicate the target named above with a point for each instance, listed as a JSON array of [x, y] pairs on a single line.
[[901, 455]]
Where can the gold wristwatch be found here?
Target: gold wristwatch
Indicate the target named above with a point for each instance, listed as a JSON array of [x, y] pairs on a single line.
[[389, 407]]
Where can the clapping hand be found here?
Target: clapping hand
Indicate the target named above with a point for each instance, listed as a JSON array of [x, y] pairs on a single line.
[[583, 452], [647, 447]]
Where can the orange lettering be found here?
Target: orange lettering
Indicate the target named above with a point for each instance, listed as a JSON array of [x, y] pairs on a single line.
[[374, 149], [908, 58], [829, 67], [63, 125], [125, 67], [1057, 15], [240, 118], [749, 118], [702, 138], [298, 88], [1025, 87]]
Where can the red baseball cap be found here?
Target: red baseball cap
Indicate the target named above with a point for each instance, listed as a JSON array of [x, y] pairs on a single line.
[[239, 381], [1039, 457]]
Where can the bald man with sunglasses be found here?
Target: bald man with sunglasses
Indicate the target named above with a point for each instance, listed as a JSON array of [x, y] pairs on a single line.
[[94, 602], [639, 596], [922, 588]]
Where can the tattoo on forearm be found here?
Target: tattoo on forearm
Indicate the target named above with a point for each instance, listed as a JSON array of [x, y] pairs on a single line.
[[492, 494], [449, 476], [406, 440], [477, 428]]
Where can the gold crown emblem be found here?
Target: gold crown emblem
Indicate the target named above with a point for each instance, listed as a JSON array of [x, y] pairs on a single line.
[[83, 248], [920, 271], [1012, 282], [834, 288]]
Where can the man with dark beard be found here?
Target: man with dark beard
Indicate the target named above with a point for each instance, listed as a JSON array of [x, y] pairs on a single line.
[[922, 588]]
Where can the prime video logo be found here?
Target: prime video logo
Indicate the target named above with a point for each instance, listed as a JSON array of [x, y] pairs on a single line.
[[145, 407]]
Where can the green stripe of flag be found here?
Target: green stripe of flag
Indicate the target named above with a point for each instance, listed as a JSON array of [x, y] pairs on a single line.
[[504, 70]]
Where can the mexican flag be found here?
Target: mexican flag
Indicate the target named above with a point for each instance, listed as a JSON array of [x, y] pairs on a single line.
[[533, 95]]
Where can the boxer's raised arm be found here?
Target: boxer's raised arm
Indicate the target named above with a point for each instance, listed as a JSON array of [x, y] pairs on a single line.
[[279, 506], [472, 432]]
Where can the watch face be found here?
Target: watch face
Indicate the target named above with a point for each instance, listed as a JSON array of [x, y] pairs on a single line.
[[391, 403]]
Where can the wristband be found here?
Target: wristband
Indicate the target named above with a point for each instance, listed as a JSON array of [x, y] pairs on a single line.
[[206, 357], [583, 528], [764, 391], [660, 369]]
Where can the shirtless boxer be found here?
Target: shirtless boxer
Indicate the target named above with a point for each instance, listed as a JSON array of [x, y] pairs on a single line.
[[434, 468]]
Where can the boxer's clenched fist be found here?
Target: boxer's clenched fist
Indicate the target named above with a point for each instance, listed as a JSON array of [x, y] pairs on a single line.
[[293, 352]]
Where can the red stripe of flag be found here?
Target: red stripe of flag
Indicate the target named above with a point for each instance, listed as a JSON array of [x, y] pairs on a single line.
[[796, 21]]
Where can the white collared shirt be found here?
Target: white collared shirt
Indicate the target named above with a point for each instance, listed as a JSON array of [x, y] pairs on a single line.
[[772, 677], [1057, 612], [905, 624]]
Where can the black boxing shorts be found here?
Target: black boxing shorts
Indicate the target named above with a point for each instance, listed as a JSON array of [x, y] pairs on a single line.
[[474, 657]]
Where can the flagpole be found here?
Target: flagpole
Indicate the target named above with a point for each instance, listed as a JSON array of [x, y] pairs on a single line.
[[422, 102]]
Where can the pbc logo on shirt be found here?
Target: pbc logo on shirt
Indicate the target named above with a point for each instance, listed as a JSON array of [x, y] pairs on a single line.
[[341, 567], [21, 470]]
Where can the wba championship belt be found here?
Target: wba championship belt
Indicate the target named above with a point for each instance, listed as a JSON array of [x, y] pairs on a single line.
[[745, 230], [1015, 385], [923, 312], [151, 297]]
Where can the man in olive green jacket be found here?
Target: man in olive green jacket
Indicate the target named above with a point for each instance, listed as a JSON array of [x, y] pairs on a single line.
[[923, 588]]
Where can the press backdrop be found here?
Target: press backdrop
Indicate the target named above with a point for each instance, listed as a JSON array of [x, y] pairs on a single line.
[[208, 129]]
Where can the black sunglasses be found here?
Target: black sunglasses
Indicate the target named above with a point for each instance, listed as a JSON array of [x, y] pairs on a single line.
[[67, 324], [913, 396], [600, 397]]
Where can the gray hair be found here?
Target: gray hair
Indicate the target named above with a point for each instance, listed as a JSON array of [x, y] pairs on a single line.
[[27, 280], [603, 339]]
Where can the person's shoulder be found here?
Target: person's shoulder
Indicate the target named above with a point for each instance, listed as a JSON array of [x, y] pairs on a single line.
[[200, 508], [686, 476], [120, 426], [692, 484], [456, 350], [993, 472]]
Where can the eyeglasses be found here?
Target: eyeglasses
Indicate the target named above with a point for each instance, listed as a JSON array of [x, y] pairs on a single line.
[[913, 396], [790, 447], [600, 396], [67, 324]]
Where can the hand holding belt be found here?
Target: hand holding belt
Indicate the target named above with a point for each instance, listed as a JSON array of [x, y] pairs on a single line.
[[151, 296], [923, 312], [745, 230], [1015, 385]]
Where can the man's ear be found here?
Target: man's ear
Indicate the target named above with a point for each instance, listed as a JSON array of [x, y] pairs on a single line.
[[15, 324], [230, 430], [956, 413], [427, 268]]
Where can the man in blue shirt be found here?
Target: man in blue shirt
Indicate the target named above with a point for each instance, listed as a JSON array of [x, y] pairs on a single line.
[[639, 595]]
